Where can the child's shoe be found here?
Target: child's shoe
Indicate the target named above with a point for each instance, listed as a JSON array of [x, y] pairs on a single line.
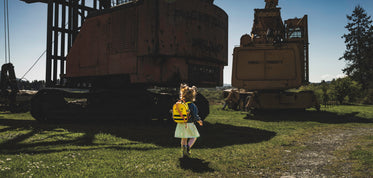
[[185, 151], [188, 150]]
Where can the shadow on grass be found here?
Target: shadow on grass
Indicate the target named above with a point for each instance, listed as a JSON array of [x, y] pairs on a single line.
[[195, 165], [304, 116], [139, 135]]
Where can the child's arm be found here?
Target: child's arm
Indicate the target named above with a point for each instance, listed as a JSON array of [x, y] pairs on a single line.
[[196, 116]]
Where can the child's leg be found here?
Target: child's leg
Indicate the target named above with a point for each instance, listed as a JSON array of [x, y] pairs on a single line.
[[191, 142], [184, 147], [184, 141]]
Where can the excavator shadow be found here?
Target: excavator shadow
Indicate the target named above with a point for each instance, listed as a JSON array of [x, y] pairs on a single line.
[[144, 135]]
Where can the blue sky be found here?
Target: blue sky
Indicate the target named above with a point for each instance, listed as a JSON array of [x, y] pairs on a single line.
[[327, 19]]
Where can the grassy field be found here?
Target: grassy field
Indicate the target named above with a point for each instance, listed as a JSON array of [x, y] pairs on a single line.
[[232, 143]]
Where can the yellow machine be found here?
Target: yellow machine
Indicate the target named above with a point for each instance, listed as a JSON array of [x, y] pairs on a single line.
[[273, 59]]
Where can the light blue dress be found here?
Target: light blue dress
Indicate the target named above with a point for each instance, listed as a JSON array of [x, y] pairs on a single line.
[[189, 129]]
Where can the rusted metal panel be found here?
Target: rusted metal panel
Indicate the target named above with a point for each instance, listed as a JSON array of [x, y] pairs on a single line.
[[148, 71], [147, 28], [193, 28], [123, 31], [154, 42], [116, 64], [102, 45]]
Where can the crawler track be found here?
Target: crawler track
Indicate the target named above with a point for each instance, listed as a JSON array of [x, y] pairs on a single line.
[[139, 105]]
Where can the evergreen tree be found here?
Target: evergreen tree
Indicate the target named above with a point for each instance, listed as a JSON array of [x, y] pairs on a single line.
[[359, 47]]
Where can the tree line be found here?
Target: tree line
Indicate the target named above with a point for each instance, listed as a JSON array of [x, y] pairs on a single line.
[[341, 91], [33, 85], [357, 87]]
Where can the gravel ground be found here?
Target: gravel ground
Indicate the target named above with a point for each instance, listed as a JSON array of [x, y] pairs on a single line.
[[319, 154]]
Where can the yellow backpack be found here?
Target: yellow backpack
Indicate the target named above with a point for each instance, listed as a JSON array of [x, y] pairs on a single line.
[[181, 112]]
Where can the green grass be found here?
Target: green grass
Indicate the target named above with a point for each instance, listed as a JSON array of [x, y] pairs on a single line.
[[231, 144], [363, 154]]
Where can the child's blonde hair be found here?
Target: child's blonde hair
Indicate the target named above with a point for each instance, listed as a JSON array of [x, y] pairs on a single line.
[[188, 93]]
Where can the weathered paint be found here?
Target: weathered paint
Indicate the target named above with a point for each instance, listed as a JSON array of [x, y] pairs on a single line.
[[267, 67], [153, 42]]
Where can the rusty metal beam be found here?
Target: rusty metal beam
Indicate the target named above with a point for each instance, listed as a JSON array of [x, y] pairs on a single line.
[[48, 69], [63, 24]]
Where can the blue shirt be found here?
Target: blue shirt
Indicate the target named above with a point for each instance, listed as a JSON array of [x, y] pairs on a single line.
[[193, 113]]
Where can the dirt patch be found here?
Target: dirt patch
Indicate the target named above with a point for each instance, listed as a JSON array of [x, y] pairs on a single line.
[[319, 154]]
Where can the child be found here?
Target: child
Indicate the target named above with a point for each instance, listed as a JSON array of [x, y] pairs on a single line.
[[188, 130]]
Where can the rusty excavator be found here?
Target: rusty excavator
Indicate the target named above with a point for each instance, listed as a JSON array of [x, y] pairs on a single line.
[[271, 60], [120, 59]]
